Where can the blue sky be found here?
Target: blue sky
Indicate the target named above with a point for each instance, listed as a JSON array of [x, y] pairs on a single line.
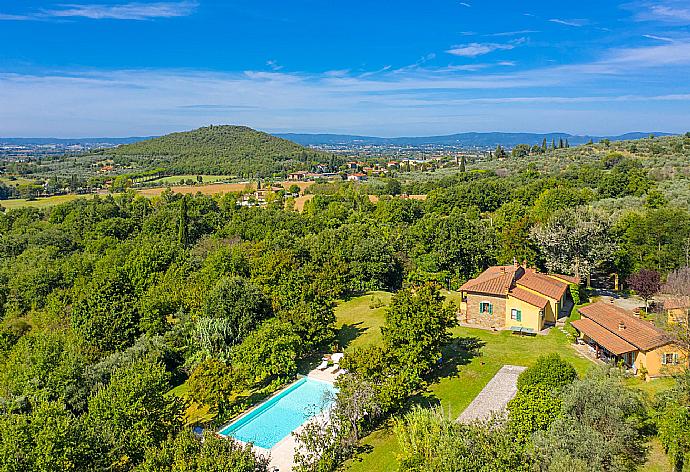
[[387, 68]]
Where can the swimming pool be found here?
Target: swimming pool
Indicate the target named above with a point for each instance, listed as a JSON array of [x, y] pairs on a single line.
[[276, 418]]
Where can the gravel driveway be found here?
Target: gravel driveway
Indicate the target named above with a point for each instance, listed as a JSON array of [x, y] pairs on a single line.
[[495, 396]]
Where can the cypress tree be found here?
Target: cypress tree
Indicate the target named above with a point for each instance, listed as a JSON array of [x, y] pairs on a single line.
[[463, 164], [543, 145], [183, 229]]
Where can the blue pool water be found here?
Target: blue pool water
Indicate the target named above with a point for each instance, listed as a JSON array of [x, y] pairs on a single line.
[[273, 420]]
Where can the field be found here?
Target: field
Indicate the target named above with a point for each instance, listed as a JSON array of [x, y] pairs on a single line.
[[175, 179], [469, 363], [208, 189], [213, 189], [40, 202]]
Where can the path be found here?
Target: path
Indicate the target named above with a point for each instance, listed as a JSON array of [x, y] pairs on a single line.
[[495, 396]]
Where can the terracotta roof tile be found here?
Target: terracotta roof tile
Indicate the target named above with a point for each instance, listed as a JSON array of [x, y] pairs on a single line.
[[676, 303], [528, 297], [603, 337], [496, 280], [566, 278], [543, 284], [622, 324]]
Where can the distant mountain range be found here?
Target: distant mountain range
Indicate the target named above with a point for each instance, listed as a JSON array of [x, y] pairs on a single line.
[[482, 140], [70, 141], [469, 140]]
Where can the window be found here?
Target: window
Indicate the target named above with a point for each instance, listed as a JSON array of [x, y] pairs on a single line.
[[516, 315], [669, 358], [486, 307]]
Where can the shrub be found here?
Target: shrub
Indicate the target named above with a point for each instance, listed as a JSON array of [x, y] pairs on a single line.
[[550, 371]]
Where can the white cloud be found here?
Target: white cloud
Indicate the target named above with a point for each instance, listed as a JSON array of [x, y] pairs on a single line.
[[658, 38], [386, 101], [513, 33], [8, 17], [274, 65], [479, 49], [574, 23], [669, 13], [465, 4], [125, 11]]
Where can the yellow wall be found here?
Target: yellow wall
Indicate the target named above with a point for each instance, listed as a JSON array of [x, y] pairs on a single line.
[[677, 315], [651, 360], [551, 308], [530, 315]]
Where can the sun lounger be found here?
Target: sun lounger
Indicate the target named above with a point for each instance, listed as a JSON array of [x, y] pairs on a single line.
[[323, 365]]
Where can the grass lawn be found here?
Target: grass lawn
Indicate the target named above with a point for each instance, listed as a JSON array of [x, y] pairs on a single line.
[[40, 202], [473, 359], [359, 319], [657, 460]]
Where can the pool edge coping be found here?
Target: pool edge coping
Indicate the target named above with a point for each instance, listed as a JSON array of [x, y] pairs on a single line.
[[300, 378]]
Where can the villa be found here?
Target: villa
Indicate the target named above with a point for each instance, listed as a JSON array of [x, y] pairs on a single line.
[[515, 297], [677, 310], [616, 335]]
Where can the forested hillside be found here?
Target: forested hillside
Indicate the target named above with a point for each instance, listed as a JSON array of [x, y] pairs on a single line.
[[233, 150], [107, 304]]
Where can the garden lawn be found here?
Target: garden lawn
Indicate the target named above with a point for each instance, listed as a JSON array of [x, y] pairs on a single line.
[[39, 202], [359, 319], [464, 373]]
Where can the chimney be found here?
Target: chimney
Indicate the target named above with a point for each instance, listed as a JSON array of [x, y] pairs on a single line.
[[621, 325]]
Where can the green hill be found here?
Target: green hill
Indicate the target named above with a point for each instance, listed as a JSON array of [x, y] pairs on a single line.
[[235, 150]]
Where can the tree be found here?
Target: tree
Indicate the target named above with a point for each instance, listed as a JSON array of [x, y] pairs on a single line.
[[500, 152], [576, 241], [231, 310], [431, 442], [646, 283], [655, 199], [549, 370], [673, 422], [183, 226], [521, 150], [212, 383], [599, 427], [463, 164], [538, 400], [269, 352], [543, 145], [187, 453], [417, 326], [134, 412], [105, 314]]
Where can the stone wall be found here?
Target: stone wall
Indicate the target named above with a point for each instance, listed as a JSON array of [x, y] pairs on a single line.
[[485, 320]]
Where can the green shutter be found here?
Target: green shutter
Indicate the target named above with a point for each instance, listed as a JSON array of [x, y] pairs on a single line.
[[519, 315], [491, 309]]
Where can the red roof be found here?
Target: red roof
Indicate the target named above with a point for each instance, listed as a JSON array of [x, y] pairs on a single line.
[[543, 284], [566, 278], [499, 280], [529, 297], [620, 323], [495, 280], [603, 337], [676, 304]]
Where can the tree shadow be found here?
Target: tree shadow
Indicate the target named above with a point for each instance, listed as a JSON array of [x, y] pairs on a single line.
[[459, 352], [350, 332]]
